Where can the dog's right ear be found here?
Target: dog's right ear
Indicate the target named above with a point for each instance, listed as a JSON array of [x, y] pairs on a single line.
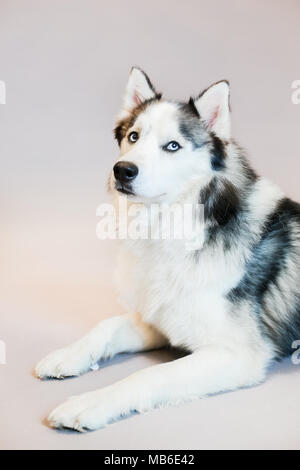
[[139, 89]]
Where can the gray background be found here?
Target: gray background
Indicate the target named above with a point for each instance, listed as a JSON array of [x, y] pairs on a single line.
[[65, 64]]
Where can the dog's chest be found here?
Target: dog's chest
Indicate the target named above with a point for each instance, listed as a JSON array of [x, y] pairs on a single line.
[[183, 296]]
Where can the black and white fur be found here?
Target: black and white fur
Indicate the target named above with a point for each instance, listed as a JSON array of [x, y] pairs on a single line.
[[233, 304]]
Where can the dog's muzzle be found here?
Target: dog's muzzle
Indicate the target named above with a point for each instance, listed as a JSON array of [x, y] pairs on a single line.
[[125, 173]]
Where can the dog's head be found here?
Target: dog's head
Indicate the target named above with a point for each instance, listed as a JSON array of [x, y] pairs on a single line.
[[165, 146]]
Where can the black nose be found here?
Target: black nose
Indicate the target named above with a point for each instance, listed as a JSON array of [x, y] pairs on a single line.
[[125, 171]]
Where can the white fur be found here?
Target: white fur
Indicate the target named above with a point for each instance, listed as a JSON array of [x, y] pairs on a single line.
[[181, 306], [163, 175]]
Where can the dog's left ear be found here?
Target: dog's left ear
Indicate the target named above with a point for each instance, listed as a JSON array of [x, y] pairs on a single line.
[[214, 109], [139, 89]]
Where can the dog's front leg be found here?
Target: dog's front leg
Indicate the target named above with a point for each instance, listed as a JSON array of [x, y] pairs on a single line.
[[125, 333], [211, 370]]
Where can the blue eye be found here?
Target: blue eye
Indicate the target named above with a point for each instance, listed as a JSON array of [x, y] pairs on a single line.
[[172, 146], [133, 137]]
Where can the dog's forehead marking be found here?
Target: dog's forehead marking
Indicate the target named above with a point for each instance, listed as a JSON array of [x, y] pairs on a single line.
[[172, 120], [159, 117]]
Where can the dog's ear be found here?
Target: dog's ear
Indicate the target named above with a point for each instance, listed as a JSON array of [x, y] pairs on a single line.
[[214, 109], [139, 89]]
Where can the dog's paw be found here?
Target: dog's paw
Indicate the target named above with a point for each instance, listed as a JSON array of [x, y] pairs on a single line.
[[68, 362], [86, 412]]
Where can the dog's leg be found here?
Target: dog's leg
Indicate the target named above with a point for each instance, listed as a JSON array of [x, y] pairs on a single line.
[[211, 370], [125, 333]]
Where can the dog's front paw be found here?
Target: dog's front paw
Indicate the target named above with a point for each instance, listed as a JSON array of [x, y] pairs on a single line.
[[68, 362], [86, 412]]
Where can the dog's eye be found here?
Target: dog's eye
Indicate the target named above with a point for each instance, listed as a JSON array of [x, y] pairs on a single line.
[[133, 137], [172, 146]]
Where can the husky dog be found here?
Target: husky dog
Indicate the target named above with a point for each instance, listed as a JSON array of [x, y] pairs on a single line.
[[233, 304]]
